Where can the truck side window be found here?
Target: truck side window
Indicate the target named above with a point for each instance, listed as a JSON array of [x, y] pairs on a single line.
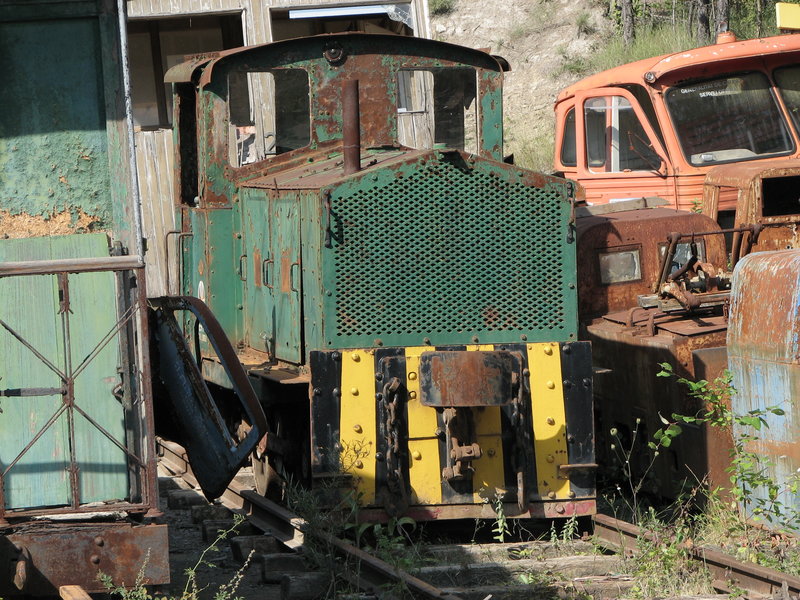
[[569, 156], [269, 114], [615, 139], [437, 106]]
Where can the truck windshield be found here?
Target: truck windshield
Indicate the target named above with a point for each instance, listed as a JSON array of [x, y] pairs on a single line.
[[788, 80], [726, 119]]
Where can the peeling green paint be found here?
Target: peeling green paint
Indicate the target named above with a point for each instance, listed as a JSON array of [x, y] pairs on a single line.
[[53, 140]]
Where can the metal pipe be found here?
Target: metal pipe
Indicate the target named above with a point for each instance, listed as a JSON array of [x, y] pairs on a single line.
[[136, 200], [351, 117], [70, 265], [667, 260], [736, 247]]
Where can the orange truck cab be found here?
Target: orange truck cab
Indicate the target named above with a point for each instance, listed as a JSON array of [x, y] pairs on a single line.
[[656, 127]]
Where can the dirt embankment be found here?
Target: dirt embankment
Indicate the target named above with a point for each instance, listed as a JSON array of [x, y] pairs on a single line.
[[539, 38]]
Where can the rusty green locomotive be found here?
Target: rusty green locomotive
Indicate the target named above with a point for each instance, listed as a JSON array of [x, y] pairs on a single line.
[[403, 301]]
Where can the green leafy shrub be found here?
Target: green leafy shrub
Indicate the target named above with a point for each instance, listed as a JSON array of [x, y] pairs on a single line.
[[441, 7]]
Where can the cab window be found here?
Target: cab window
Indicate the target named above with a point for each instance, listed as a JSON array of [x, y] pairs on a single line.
[[569, 157], [615, 139], [683, 252], [278, 122], [437, 106], [620, 265]]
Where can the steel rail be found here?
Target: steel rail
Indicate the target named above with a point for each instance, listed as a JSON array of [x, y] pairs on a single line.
[[291, 530], [727, 572]]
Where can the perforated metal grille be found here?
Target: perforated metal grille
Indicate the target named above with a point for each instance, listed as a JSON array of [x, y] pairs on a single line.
[[448, 252]]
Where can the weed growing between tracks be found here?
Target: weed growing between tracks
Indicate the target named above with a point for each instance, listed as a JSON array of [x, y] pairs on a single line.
[[332, 511], [192, 590], [730, 519]]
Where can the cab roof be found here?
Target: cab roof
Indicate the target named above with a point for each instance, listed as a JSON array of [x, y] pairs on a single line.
[[382, 44], [672, 64]]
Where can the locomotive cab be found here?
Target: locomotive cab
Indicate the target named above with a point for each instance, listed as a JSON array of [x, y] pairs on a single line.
[[403, 302], [649, 295]]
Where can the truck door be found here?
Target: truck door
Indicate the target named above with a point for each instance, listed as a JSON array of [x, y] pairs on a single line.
[[619, 155]]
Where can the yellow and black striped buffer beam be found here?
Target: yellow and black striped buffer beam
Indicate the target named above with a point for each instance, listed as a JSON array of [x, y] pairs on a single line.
[[375, 416]]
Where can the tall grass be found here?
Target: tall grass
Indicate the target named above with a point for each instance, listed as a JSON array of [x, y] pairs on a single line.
[[534, 149], [650, 42]]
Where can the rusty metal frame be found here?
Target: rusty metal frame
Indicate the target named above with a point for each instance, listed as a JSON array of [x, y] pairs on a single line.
[[674, 238], [132, 319]]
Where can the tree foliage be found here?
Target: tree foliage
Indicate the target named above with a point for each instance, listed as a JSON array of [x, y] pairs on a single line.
[[703, 19]]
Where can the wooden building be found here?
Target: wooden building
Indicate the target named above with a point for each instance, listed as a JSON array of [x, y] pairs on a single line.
[[162, 32]]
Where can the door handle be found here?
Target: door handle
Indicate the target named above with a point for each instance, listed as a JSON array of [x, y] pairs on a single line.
[[243, 267], [291, 276], [265, 272]]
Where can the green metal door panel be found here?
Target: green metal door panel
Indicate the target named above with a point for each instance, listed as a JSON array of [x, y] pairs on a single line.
[[194, 253], [313, 234], [260, 274], [67, 340], [29, 306], [225, 271], [103, 473], [285, 243], [53, 139]]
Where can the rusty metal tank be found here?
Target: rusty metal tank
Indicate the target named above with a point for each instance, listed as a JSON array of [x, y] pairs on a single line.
[[764, 358]]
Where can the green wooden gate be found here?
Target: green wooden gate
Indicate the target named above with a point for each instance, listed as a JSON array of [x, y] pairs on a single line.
[[63, 435]]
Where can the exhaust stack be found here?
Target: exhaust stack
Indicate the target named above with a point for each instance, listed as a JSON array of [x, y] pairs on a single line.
[[351, 115]]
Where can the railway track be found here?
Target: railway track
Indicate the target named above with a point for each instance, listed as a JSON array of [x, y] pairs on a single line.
[[727, 572], [481, 571]]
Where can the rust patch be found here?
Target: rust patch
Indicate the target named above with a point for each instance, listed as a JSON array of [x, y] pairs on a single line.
[[286, 272], [66, 222], [258, 268]]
